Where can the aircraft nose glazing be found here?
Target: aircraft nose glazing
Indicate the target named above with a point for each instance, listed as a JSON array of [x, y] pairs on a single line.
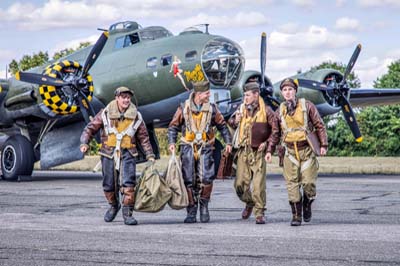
[[222, 62]]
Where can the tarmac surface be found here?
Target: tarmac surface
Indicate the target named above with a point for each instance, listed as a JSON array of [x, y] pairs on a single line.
[[57, 219]]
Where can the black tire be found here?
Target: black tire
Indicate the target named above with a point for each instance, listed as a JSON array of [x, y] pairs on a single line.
[[17, 158]]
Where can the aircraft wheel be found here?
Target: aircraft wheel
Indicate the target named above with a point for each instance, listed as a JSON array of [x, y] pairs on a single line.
[[17, 157]]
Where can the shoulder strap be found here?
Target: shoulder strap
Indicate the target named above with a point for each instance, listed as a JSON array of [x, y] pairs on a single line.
[[283, 121], [305, 115], [106, 120], [185, 112]]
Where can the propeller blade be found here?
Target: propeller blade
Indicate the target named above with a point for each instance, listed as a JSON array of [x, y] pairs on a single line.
[[263, 58], [350, 117], [39, 79], [272, 102], [85, 107], [312, 84], [94, 53], [351, 63]]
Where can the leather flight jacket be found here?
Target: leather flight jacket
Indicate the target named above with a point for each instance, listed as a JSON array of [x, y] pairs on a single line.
[[270, 131], [141, 135], [314, 123], [217, 120]]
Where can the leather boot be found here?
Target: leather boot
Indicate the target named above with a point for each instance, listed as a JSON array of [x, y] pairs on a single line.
[[191, 208], [112, 212], [127, 215], [246, 213], [260, 219], [204, 199], [296, 212], [128, 201], [307, 208]]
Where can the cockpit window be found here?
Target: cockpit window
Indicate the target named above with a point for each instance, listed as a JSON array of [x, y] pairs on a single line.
[[119, 43], [190, 56], [126, 41], [223, 62], [153, 33]]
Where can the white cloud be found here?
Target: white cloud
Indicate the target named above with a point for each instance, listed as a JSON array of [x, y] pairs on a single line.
[[284, 61], [394, 54], [370, 69], [59, 14], [314, 37], [2, 73], [73, 43], [340, 3], [289, 28], [241, 19], [379, 3], [347, 24], [138, 5], [304, 3], [88, 13], [6, 55]]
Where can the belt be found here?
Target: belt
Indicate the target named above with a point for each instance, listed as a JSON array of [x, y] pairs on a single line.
[[301, 145]]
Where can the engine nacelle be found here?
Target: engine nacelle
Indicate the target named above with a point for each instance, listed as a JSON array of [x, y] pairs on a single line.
[[237, 90]]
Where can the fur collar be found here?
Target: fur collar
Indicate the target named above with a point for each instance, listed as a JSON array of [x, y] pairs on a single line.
[[113, 112]]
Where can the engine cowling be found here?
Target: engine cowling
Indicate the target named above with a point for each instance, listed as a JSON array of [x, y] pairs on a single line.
[[62, 99]]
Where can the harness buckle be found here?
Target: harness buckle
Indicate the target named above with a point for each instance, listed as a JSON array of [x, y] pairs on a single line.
[[119, 136], [199, 136]]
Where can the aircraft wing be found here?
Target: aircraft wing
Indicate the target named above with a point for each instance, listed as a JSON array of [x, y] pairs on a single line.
[[371, 97]]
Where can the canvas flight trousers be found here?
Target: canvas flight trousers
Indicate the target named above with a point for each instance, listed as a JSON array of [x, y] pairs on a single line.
[[250, 182], [300, 174]]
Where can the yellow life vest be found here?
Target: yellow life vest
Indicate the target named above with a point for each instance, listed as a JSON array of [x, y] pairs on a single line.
[[294, 127], [120, 126], [197, 124]]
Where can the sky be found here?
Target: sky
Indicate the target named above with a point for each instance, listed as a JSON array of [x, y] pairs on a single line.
[[300, 33]]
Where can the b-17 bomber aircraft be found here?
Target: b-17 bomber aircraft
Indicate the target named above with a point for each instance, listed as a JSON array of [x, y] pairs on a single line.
[[43, 110]]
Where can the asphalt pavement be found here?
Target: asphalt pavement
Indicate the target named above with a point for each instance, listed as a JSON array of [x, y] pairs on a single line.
[[57, 219]]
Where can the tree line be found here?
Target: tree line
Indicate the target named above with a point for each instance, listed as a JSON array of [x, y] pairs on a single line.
[[380, 126]]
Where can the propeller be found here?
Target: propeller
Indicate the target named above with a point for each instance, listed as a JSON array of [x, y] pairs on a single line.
[[77, 84], [39, 79], [266, 92], [338, 92]]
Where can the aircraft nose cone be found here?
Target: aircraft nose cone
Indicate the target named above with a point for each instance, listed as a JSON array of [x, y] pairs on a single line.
[[222, 62]]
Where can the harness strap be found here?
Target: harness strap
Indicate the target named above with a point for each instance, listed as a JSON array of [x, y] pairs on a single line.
[[129, 131]]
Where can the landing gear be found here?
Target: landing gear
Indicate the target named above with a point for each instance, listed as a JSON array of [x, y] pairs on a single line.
[[17, 158]]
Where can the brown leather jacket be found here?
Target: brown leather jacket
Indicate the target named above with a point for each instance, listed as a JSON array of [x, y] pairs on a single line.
[[97, 124], [217, 119], [314, 122], [272, 122]]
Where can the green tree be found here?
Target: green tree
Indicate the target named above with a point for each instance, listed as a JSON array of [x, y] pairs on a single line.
[[31, 61], [28, 62], [68, 51], [381, 125]]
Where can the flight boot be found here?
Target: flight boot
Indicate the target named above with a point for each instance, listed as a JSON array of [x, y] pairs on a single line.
[[296, 212], [112, 212], [307, 208], [191, 208], [128, 202], [204, 199], [246, 213]]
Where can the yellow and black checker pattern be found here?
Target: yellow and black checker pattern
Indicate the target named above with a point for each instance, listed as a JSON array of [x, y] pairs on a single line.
[[49, 94]]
